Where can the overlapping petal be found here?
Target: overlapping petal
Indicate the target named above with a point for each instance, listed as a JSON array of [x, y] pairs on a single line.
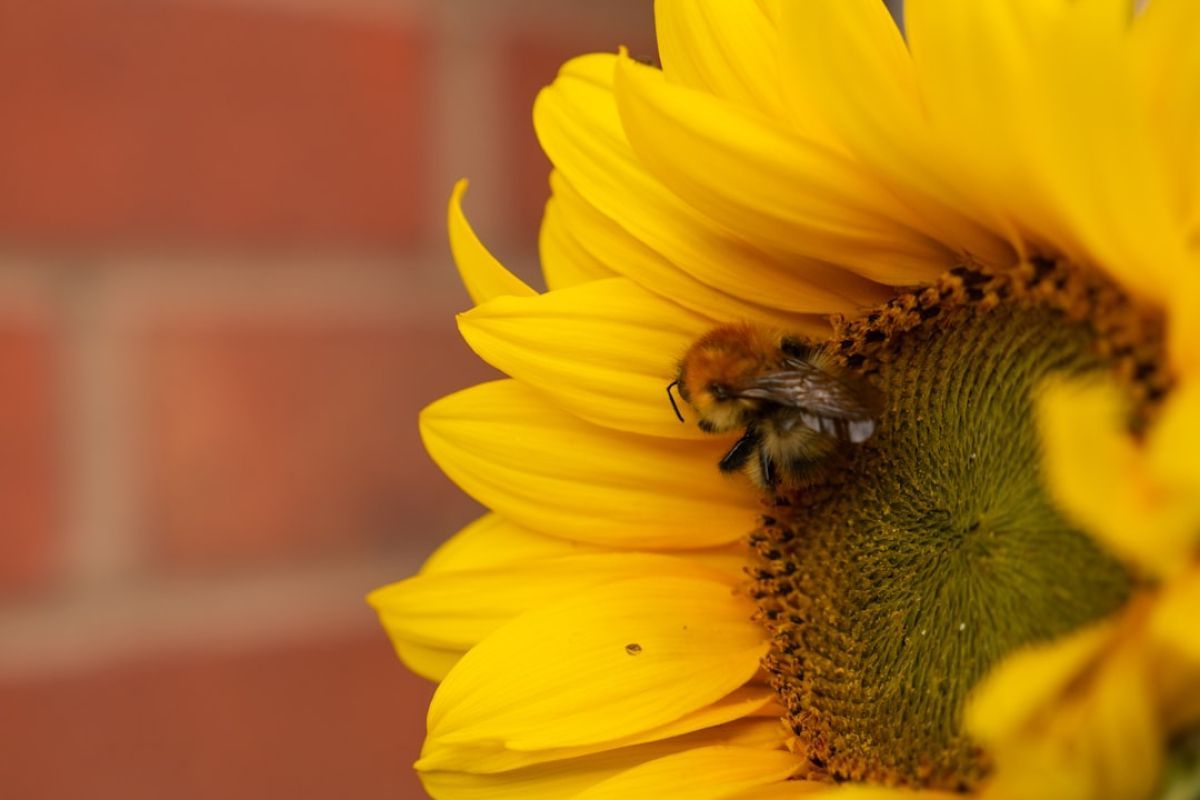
[[812, 790], [705, 773], [493, 541], [1166, 63], [473, 573], [565, 261], [846, 64], [1039, 104], [1141, 499], [605, 351], [730, 50], [780, 190], [433, 663], [578, 125], [1110, 189], [562, 780], [455, 610], [595, 667], [548, 470], [1174, 644], [1100, 735], [610, 244], [1028, 682], [750, 702], [981, 110]]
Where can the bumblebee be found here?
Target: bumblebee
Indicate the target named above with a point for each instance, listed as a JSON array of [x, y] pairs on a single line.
[[794, 404]]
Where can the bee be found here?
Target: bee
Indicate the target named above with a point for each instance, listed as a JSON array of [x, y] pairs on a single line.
[[794, 404]]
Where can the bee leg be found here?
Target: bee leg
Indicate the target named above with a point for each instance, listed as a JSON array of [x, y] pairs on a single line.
[[766, 469], [741, 451], [798, 348]]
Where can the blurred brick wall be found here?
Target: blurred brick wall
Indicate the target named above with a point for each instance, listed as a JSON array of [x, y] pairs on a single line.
[[224, 296]]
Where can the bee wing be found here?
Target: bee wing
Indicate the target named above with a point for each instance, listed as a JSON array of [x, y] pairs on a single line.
[[824, 402]]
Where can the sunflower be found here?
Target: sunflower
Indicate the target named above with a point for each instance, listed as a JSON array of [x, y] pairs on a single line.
[[995, 219]]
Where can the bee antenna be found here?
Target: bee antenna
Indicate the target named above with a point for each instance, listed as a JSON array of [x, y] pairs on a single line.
[[671, 397]]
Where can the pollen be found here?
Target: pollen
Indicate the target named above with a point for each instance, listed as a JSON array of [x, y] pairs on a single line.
[[931, 551]]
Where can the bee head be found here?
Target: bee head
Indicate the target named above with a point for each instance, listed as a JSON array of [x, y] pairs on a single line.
[[714, 368]]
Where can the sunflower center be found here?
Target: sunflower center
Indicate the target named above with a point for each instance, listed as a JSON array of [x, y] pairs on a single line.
[[932, 551]]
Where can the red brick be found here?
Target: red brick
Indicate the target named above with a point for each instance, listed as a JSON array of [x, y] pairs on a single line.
[[271, 438], [169, 122], [531, 60], [325, 719], [29, 443]]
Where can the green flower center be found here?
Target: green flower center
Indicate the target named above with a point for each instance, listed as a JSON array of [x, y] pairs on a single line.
[[931, 551]]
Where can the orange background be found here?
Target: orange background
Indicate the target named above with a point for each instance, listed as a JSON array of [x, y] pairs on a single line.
[[224, 295]]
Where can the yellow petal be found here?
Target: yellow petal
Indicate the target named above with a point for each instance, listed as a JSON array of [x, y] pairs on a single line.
[[1183, 322], [1141, 501], [860, 792], [779, 190], [1174, 618], [1041, 113], [493, 541], [488, 542], [792, 790], [578, 125], [706, 773], [455, 610], [810, 790], [429, 662], [617, 248], [547, 470], [604, 351], [1029, 682], [1164, 56], [561, 780], [482, 274], [976, 63], [567, 675], [1175, 639], [1171, 450], [565, 262], [1112, 190], [852, 47], [749, 701], [1100, 738], [728, 49], [846, 64]]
